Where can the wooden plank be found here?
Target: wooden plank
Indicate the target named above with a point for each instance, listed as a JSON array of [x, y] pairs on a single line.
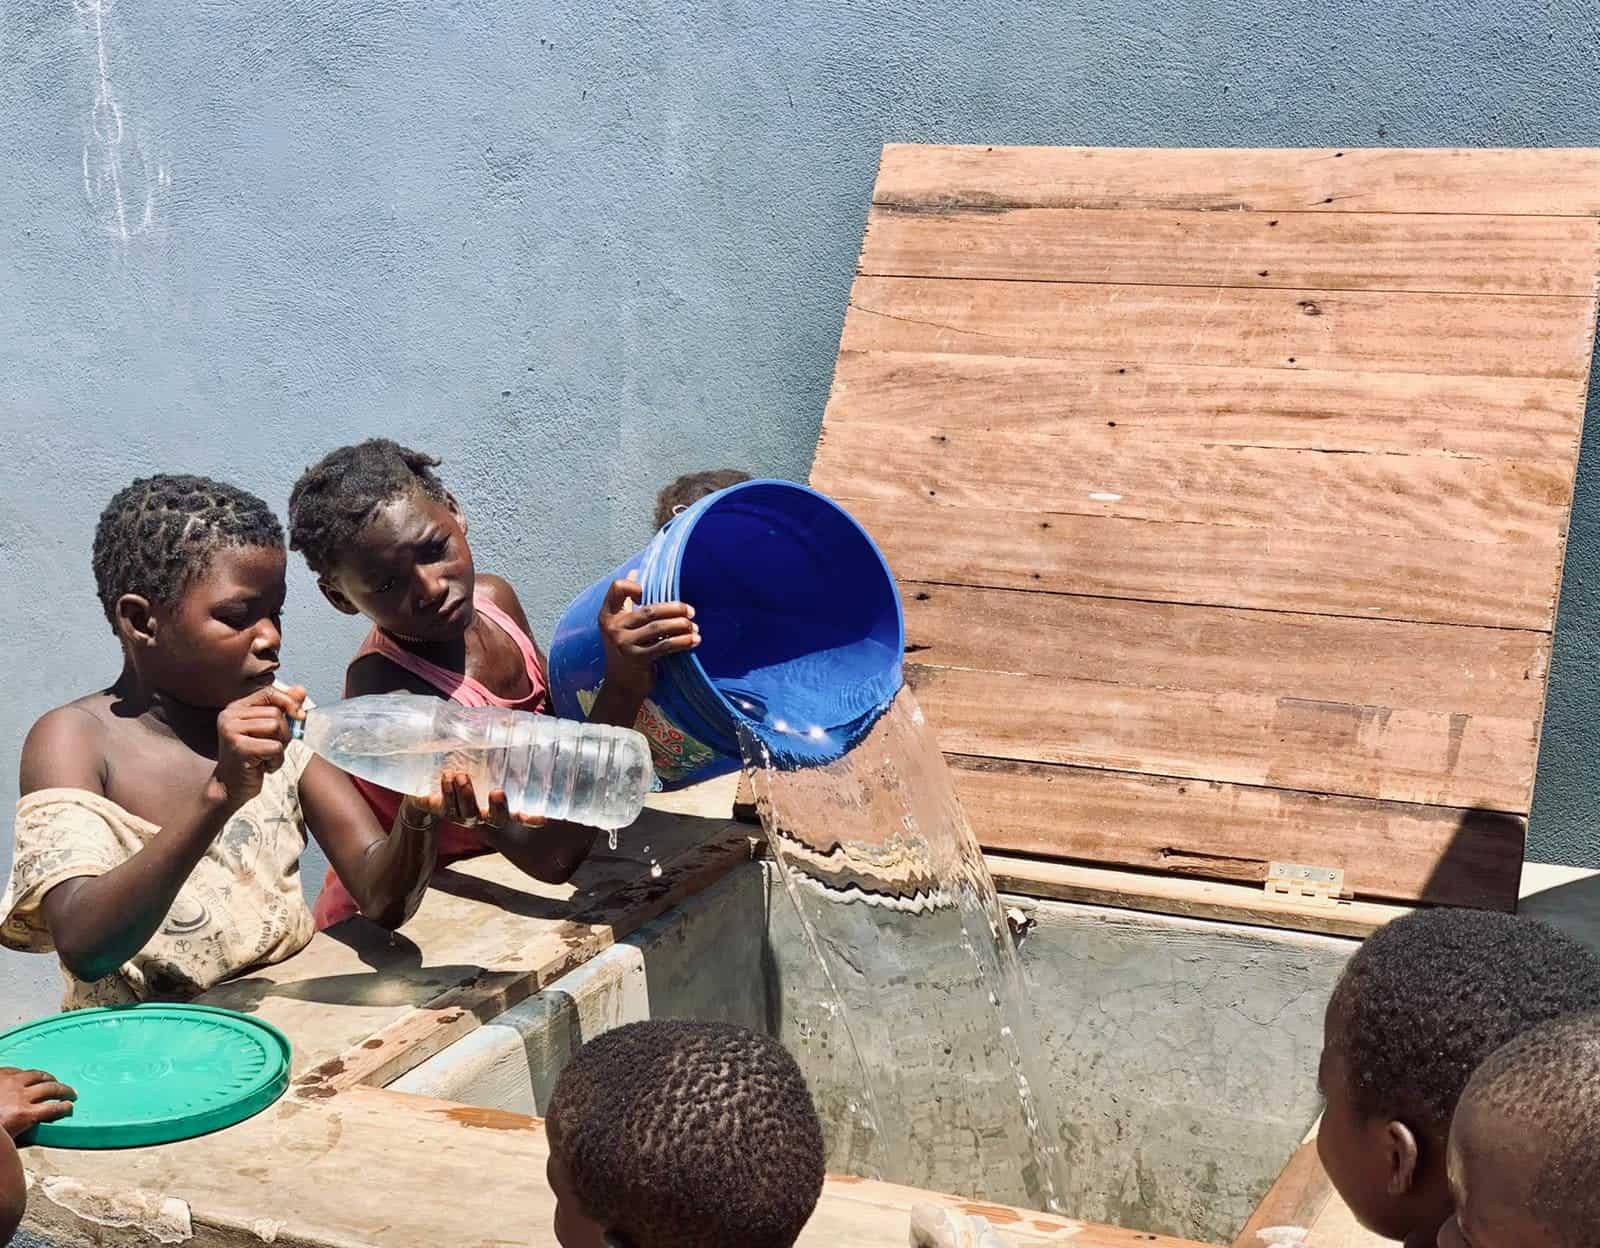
[[1515, 181], [1389, 850], [1109, 472], [528, 965], [294, 1175], [1447, 581], [1337, 1227], [1187, 898], [1397, 754], [1297, 251], [1298, 1198], [1200, 405], [1431, 667], [1454, 335], [358, 979]]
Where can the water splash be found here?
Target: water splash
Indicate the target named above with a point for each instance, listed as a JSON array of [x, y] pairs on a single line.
[[898, 908]]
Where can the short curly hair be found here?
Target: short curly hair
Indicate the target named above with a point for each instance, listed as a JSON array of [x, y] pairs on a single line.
[[690, 488], [157, 535], [1544, 1087], [336, 496], [1433, 993], [689, 1135]]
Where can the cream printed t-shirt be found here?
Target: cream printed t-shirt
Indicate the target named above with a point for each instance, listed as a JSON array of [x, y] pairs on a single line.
[[241, 906]]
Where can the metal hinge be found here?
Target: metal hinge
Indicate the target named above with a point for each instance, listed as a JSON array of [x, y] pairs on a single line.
[[1295, 879]]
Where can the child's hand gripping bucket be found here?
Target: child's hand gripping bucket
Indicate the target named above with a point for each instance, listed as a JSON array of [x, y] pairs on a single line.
[[801, 627]]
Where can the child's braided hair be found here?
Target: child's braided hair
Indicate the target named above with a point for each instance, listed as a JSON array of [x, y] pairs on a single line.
[[161, 532]]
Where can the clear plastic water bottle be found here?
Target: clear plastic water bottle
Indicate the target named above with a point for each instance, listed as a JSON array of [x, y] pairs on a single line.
[[591, 774]]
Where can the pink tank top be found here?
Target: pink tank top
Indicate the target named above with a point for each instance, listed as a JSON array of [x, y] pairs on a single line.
[[335, 903]]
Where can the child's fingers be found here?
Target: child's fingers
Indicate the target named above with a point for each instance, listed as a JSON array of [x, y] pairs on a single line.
[[288, 701], [644, 636], [429, 803], [622, 595], [674, 645], [257, 749], [269, 723], [658, 612], [499, 815], [48, 1111], [464, 801], [51, 1091], [27, 1078]]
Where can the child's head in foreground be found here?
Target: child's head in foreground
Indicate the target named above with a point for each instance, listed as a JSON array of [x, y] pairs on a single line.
[[1524, 1156], [683, 1135], [386, 540], [190, 573], [1420, 1005], [690, 488]]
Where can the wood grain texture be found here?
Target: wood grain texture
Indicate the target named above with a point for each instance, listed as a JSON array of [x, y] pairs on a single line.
[[300, 1173], [1151, 892], [1389, 850], [1107, 472], [923, 393], [1449, 334], [1298, 1198], [1294, 251], [1502, 181], [1450, 580], [1240, 476], [1159, 645]]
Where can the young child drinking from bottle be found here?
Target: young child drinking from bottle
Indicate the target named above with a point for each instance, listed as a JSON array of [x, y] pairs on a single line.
[[159, 834], [388, 541]]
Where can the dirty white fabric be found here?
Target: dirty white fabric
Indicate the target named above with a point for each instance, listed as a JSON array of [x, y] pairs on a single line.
[[242, 906]]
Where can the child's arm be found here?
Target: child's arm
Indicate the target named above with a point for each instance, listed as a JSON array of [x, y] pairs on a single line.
[[549, 851], [27, 1098], [636, 639], [387, 875], [13, 1190], [98, 922]]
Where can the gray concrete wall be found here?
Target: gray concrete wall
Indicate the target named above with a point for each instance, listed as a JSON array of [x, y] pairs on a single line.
[[1182, 1054], [579, 248], [706, 960]]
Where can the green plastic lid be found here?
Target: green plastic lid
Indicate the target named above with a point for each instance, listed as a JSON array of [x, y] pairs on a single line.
[[151, 1074]]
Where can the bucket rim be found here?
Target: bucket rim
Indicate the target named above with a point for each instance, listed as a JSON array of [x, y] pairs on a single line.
[[674, 536]]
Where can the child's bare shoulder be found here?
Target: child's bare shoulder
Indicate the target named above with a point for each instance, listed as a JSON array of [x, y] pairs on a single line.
[[503, 596], [68, 747]]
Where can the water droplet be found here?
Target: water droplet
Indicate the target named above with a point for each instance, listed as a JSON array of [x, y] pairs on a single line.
[[611, 840]]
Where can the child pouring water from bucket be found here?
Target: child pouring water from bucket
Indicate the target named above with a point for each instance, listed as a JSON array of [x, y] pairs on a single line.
[[388, 541]]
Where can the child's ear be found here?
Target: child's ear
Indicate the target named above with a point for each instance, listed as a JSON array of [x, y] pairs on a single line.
[[456, 510], [336, 598], [135, 621], [1402, 1155]]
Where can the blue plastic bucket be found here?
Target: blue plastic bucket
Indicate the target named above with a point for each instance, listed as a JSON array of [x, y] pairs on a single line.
[[802, 636]]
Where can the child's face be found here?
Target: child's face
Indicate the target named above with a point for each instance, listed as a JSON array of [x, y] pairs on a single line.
[[573, 1227], [1491, 1174], [219, 641], [1365, 1156], [410, 570]]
